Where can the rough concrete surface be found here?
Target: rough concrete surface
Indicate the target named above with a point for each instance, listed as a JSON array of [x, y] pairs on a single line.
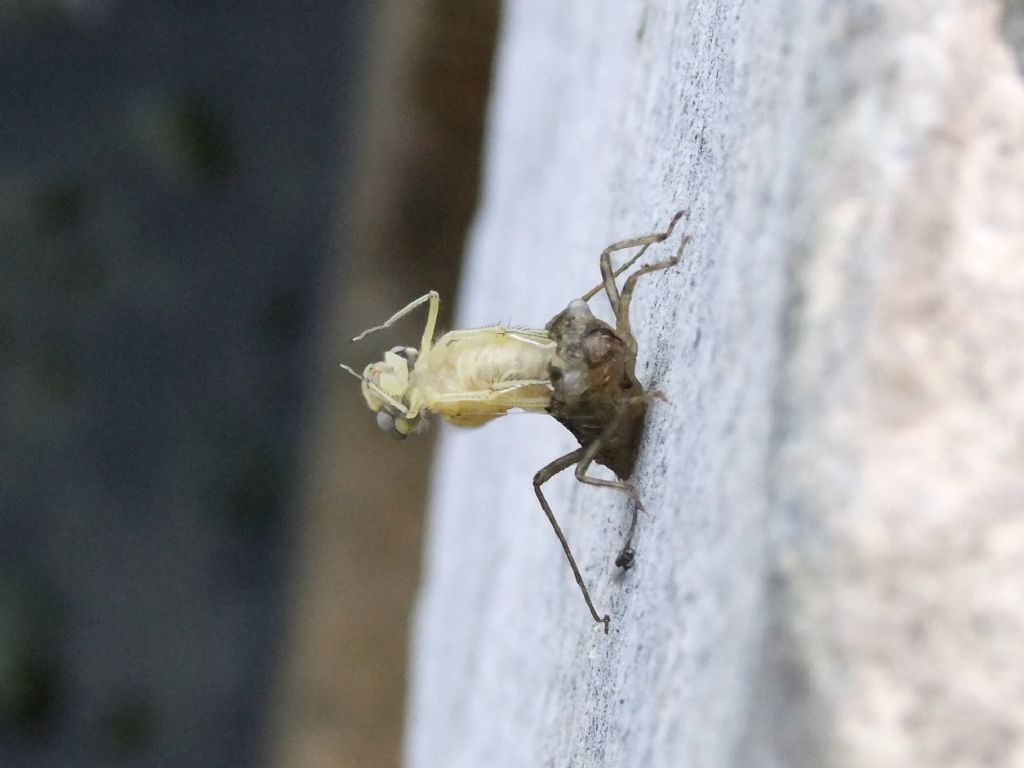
[[830, 569]]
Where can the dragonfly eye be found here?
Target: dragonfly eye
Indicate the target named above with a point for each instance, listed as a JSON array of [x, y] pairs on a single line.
[[395, 424], [386, 421]]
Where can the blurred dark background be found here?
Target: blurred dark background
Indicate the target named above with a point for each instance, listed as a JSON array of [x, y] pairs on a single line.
[[198, 202]]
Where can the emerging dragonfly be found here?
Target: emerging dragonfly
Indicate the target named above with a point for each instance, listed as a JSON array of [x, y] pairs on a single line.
[[578, 368]]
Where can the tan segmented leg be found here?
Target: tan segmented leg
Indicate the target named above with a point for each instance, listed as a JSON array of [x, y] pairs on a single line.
[[608, 274], [626, 555], [545, 474], [428, 331]]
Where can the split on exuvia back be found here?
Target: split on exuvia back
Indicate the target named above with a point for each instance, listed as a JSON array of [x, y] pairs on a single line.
[[578, 368]]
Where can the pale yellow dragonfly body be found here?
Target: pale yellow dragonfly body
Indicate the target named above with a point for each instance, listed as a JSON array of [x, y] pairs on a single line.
[[468, 376]]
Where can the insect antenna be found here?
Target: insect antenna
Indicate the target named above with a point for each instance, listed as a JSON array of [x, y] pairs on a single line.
[[351, 370]]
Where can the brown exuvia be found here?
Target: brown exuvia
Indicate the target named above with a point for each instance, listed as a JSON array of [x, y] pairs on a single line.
[[579, 369], [595, 393]]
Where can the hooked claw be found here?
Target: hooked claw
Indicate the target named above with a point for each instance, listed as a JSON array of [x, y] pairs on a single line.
[[625, 558]]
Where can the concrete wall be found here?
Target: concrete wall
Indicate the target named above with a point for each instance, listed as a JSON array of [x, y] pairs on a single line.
[[831, 565]]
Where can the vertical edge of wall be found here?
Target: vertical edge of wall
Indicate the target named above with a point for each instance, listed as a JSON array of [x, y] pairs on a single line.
[[341, 692]]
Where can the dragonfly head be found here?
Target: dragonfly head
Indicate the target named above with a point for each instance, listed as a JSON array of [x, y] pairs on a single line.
[[385, 387]]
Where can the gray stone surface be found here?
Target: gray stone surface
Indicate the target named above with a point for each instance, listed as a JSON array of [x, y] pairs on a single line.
[[830, 570]]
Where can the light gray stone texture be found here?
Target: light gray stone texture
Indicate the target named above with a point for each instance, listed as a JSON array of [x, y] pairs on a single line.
[[831, 568]]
